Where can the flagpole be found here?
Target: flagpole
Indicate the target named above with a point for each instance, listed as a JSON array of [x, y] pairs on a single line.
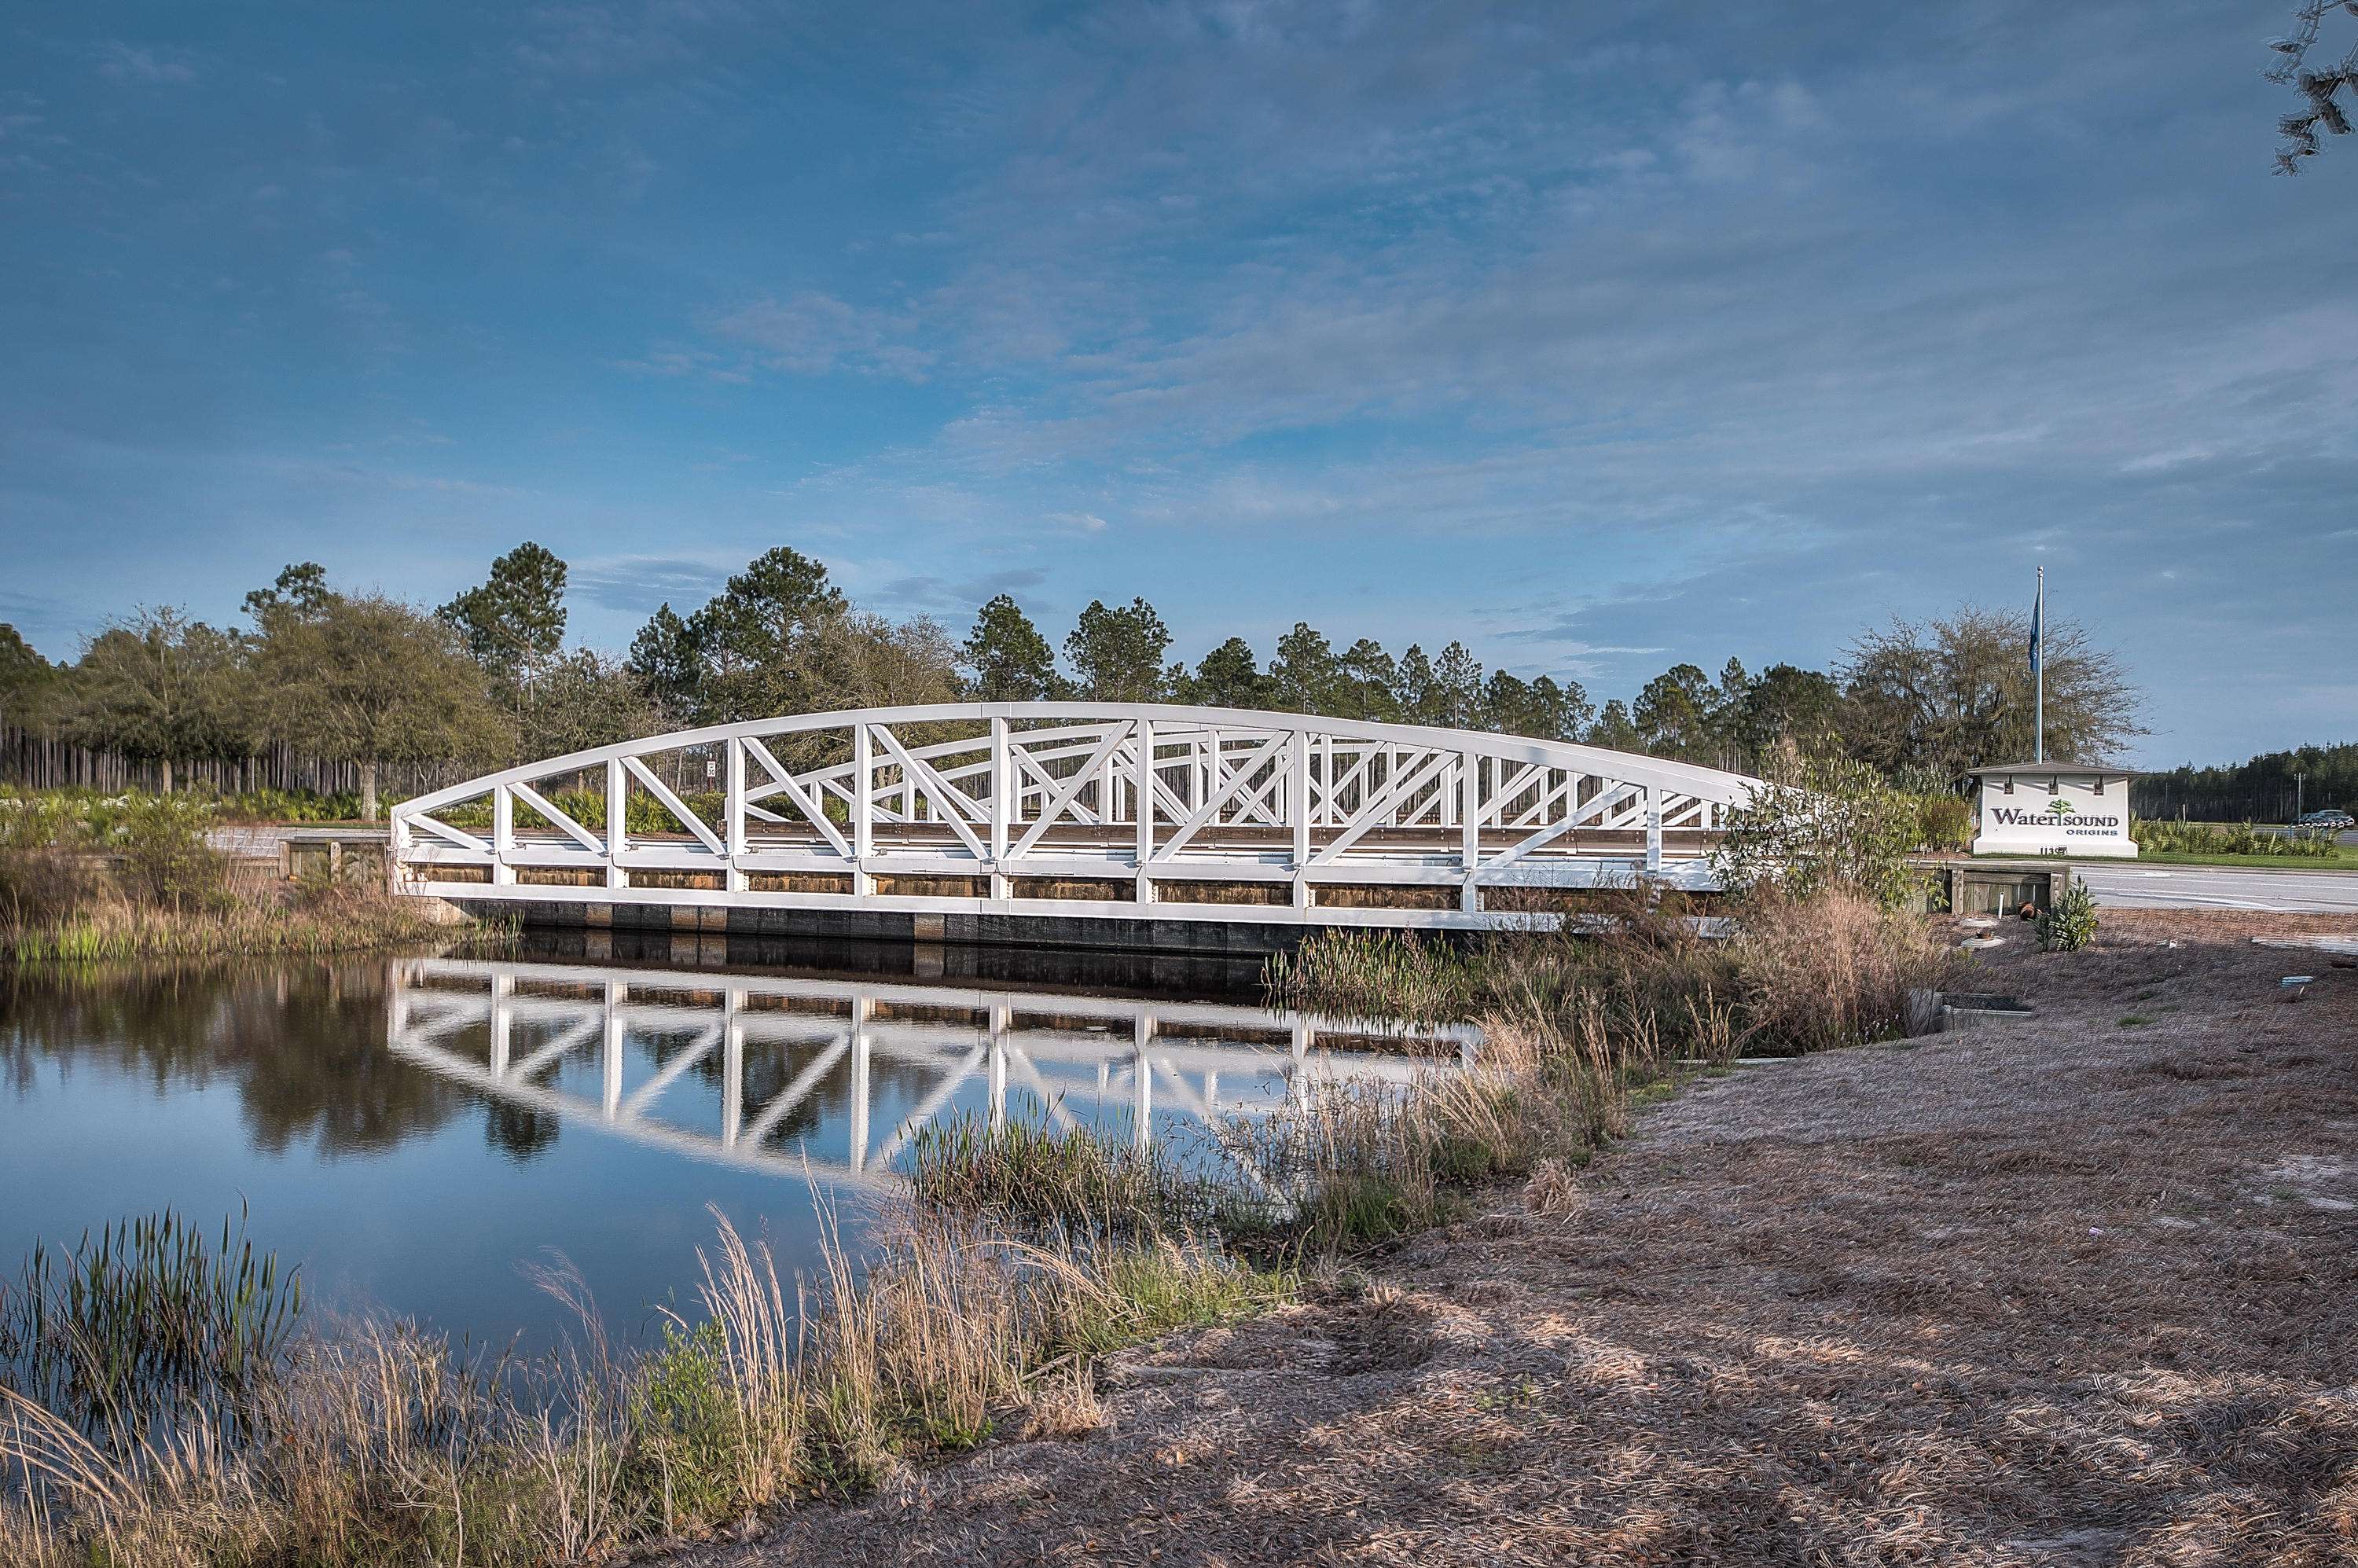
[[2039, 669]]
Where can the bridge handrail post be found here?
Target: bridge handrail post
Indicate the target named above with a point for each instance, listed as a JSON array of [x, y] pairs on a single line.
[[1298, 807], [1003, 772], [733, 812], [502, 834], [618, 830], [1469, 842], [1653, 831], [863, 771], [1145, 811]]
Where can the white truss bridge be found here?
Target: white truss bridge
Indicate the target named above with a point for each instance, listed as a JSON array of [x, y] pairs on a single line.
[[1088, 810], [719, 1066]]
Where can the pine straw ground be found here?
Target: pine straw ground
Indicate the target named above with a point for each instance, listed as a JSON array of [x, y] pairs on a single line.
[[2077, 1290]]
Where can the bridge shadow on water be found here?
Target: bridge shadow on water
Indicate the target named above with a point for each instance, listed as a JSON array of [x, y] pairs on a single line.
[[1085, 970]]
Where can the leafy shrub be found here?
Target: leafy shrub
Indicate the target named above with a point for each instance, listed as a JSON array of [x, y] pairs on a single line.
[[162, 856], [2069, 923], [46, 872], [51, 847], [1945, 824], [1820, 823]]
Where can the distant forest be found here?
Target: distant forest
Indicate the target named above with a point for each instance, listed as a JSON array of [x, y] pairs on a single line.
[[2261, 790]]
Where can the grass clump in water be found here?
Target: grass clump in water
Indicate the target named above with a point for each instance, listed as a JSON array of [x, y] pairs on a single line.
[[149, 1319], [1034, 1173]]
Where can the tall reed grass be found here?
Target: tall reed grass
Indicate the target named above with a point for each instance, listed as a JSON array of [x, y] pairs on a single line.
[[146, 1318], [1804, 975]]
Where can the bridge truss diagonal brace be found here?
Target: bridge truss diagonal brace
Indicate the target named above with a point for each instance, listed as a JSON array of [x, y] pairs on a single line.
[[1572, 821], [783, 783], [1026, 759], [564, 823], [458, 836], [1375, 812], [673, 804], [1230, 787], [1092, 770], [946, 797]]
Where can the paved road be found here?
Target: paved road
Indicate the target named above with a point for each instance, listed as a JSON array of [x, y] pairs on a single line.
[[2220, 887]]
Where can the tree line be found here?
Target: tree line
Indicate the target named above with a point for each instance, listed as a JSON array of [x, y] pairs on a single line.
[[2270, 787], [489, 678]]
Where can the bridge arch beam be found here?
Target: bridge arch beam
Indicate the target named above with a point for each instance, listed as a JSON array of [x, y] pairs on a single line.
[[1070, 809]]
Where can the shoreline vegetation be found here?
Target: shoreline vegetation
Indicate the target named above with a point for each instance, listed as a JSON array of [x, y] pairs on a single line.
[[979, 1304], [87, 878]]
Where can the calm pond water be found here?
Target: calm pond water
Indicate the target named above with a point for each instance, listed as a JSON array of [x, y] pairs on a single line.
[[412, 1130]]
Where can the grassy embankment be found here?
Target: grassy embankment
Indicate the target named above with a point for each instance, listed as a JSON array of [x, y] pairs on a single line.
[[980, 1304], [2238, 844], [88, 878], [2341, 859]]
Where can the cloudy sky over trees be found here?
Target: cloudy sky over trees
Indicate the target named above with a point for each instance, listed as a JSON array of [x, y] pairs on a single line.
[[1600, 338]]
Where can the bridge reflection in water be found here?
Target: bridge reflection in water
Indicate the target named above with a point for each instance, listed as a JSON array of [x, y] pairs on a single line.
[[837, 1075]]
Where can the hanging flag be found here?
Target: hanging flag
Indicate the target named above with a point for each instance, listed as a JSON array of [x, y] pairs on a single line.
[[2037, 606]]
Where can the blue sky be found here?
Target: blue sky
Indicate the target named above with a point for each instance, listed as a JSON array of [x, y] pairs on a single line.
[[1601, 337]]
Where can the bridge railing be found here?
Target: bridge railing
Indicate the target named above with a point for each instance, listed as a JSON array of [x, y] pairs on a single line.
[[1085, 808]]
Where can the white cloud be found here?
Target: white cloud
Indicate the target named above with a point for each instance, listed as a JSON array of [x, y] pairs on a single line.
[[120, 62], [813, 334]]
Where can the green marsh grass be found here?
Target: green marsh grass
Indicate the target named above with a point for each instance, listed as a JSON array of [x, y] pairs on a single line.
[[146, 1317]]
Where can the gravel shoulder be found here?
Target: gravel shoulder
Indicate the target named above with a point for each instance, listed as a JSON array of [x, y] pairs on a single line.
[[2077, 1289]]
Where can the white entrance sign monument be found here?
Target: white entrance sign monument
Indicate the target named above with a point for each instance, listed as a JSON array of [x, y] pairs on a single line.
[[2054, 809]]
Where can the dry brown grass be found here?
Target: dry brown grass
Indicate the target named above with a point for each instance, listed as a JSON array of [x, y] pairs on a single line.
[[263, 917], [1834, 970]]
